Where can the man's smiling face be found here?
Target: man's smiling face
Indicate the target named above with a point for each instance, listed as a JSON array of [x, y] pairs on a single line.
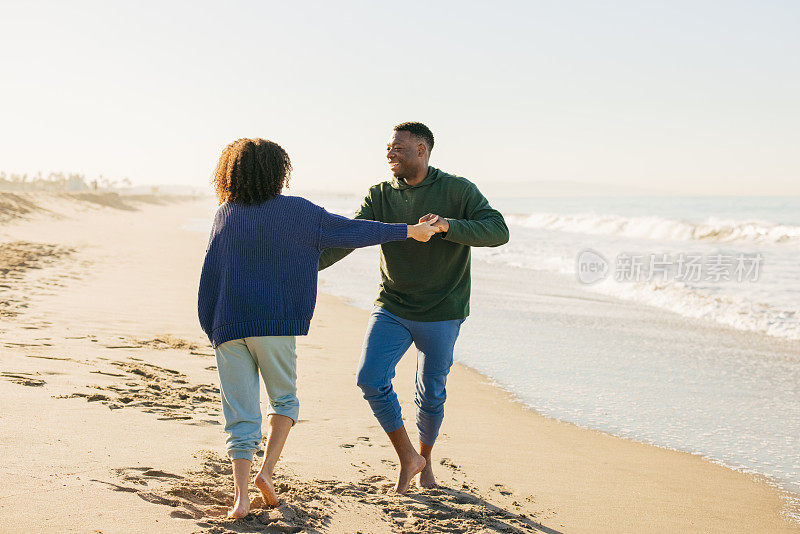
[[404, 154]]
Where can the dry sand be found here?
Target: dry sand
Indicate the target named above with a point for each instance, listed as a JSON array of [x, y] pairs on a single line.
[[111, 416]]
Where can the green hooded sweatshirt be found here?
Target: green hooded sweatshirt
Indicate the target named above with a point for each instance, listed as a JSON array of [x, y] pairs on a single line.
[[428, 281]]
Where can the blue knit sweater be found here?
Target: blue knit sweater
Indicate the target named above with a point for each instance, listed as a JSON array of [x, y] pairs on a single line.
[[260, 273]]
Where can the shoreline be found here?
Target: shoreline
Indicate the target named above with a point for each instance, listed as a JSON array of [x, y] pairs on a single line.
[[93, 325], [792, 510], [774, 481]]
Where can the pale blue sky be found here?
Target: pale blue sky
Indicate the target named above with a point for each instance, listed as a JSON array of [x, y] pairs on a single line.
[[687, 97]]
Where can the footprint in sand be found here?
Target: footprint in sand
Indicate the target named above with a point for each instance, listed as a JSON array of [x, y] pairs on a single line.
[[157, 473], [52, 358], [448, 463], [168, 341], [502, 489], [24, 379], [116, 487], [107, 374], [157, 390], [204, 496], [307, 505], [360, 440]]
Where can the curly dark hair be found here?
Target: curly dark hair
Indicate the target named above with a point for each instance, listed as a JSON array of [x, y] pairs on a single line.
[[251, 171], [419, 130]]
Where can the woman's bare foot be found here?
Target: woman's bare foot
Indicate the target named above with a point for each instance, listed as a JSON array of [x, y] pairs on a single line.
[[264, 483], [426, 478], [408, 470], [241, 506], [241, 493], [279, 426]]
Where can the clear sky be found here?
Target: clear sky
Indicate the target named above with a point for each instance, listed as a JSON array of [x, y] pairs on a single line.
[[691, 97]]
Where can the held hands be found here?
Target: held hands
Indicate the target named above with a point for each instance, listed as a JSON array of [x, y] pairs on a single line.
[[422, 231], [439, 222], [428, 225]]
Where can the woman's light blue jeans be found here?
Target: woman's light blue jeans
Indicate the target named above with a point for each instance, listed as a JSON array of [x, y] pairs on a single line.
[[388, 338], [239, 362]]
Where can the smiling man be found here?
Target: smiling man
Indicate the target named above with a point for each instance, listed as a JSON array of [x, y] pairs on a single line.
[[424, 292]]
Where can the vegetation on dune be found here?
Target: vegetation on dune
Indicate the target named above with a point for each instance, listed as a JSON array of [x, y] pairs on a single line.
[[59, 181]]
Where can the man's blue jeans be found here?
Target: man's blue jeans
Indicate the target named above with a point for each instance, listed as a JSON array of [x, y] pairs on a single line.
[[388, 338]]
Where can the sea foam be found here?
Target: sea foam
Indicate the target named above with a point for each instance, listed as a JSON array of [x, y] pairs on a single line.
[[658, 228]]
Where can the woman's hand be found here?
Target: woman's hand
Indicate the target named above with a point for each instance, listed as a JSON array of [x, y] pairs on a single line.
[[422, 231]]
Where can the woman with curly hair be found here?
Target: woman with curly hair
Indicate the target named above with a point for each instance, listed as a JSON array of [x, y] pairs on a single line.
[[258, 289]]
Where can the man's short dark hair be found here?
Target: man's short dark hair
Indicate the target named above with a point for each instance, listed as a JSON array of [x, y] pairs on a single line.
[[417, 129]]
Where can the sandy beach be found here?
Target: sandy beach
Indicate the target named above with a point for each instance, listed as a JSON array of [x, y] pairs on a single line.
[[111, 411]]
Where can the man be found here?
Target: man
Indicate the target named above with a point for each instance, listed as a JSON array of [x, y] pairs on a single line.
[[424, 295]]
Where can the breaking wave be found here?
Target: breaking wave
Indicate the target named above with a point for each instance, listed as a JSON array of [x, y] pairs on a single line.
[[712, 230]]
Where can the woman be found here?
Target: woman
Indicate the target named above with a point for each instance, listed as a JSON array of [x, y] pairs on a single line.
[[257, 292]]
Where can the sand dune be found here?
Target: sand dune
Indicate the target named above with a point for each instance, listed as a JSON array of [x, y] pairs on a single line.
[[29, 205]]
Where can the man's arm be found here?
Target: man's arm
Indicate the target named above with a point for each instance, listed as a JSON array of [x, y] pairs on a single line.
[[332, 255], [482, 227]]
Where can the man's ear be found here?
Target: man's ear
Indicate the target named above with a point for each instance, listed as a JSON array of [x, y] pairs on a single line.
[[422, 149]]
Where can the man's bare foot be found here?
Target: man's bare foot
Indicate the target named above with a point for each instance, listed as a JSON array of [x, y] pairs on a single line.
[[264, 483], [426, 478], [408, 470], [241, 507]]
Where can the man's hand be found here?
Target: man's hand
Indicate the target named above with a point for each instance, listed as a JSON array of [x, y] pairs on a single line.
[[422, 231], [439, 222]]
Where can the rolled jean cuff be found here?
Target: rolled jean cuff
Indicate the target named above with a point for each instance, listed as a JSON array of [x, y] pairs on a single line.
[[292, 412], [427, 439], [241, 454], [391, 426]]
